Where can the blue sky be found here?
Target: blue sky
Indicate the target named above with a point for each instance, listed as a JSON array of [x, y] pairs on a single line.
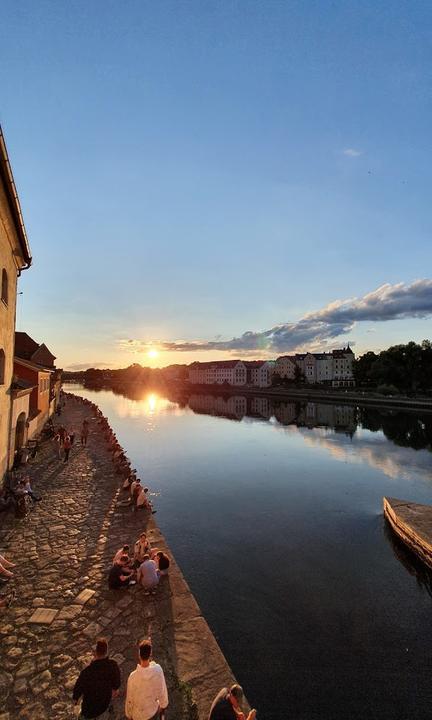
[[191, 171]]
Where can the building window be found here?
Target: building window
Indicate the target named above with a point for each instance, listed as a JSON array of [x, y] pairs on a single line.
[[2, 366], [4, 287]]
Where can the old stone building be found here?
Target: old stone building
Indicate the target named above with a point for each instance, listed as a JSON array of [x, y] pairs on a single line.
[[14, 258]]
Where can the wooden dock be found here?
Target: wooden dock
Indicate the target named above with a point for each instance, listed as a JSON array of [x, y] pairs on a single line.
[[412, 522]]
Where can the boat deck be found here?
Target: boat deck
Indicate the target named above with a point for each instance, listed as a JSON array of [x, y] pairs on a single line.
[[412, 522]]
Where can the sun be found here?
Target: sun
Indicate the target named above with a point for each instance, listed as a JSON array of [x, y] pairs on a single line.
[[152, 353]]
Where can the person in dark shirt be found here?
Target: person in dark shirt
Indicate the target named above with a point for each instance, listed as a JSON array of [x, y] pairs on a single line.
[[119, 575], [162, 562], [97, 684], [227, 705]]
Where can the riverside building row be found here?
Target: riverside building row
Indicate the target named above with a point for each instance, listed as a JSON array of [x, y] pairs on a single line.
[[333, 368], [29, 381]]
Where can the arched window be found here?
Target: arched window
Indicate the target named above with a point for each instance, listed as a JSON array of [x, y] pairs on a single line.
[[2, 366], [4, 287]]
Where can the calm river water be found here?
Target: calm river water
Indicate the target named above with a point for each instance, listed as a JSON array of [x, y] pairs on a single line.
[[274, 513]]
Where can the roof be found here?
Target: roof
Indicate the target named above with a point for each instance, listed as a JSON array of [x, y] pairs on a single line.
[[32, 365], [28, 349], [21, 387], [25, 346], [13, 200], [225, 363], [254, 363]]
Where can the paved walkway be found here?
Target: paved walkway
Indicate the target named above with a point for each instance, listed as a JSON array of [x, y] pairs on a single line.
[[64, 547]]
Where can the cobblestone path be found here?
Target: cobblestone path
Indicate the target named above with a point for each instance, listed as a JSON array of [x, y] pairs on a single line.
[[65, 546]]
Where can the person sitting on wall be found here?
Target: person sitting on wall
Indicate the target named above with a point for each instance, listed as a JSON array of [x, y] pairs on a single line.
[[227, 705], [147, 575], [120, 553], [142, 547], [142, 501], [163, 563], [120, 575]]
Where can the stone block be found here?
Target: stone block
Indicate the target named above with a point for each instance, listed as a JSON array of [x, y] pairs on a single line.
[[93, 630], [69, 612], [43, 616], [84, 596]]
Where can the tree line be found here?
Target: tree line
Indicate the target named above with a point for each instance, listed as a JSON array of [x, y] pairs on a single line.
[[399, 369]]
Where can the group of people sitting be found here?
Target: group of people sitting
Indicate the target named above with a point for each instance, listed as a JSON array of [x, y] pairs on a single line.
[[138, 495], [145, 566]]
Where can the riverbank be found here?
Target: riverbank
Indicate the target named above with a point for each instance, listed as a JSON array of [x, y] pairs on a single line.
[[63, 551]]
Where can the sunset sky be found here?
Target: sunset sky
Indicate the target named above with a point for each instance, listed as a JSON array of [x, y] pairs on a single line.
[[209, 179]]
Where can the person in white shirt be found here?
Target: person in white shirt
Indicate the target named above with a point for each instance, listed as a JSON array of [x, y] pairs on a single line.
[[146, 694], [147, 574]]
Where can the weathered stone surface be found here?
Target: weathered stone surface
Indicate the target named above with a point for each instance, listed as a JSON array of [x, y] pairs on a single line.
[[26, 669], [20, 685], [61, 662], [40, 682], [6, 680], [69, 612], [43, 616], [84, 596]]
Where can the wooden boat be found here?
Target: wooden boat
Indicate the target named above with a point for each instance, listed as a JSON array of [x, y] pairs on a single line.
[[412, 522]]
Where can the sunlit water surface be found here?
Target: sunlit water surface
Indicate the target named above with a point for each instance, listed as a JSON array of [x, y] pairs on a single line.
[[275, 517]]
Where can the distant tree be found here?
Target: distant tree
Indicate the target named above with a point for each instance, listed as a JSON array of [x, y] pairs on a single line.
[[362, 368], [408, 368]]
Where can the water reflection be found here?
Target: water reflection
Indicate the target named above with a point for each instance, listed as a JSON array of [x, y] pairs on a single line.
[[404, 429]]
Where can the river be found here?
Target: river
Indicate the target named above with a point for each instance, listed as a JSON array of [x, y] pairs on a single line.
[[274, 513]]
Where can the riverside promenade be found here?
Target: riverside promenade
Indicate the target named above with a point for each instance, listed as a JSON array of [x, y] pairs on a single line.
[[63, 551]]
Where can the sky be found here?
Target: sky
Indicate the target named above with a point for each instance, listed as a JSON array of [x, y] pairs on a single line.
[[204, 180]]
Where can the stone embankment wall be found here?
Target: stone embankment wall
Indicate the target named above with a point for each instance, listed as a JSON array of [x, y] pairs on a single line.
[[63, 551]]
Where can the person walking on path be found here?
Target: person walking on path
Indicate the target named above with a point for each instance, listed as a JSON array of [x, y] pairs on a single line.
[[227, 705], [97, 684], [67, 444], [146, 694], [84, 432]]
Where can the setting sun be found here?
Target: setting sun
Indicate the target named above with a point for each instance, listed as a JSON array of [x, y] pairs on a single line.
[[152, 353]]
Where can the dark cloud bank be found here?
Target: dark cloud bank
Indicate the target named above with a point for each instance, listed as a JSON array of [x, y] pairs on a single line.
[[388, 302]]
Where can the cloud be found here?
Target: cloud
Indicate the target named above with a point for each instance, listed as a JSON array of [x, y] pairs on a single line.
[[352, 152], [83, 366], [316, 329]]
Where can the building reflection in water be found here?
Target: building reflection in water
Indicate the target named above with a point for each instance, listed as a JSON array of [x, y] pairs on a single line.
[[236, 407], [404, 429]]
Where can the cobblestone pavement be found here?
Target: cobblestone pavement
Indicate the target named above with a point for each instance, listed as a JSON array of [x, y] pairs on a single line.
[[66, 546]]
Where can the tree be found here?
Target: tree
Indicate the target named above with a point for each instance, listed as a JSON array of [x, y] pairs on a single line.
[[362, 369]]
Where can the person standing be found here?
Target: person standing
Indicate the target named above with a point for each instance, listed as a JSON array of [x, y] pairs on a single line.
[[67, 444], [97, 684], [146, 694], [227, 705]]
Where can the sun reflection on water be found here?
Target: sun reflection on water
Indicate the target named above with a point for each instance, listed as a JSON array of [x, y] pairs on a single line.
[[149, 405]]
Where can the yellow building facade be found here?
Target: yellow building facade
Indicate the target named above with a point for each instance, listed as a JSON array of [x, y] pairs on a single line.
[[14, 257]]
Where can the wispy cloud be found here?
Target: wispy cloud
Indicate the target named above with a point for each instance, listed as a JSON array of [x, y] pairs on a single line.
[[316, 329], [352, 152], [76, 367]]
